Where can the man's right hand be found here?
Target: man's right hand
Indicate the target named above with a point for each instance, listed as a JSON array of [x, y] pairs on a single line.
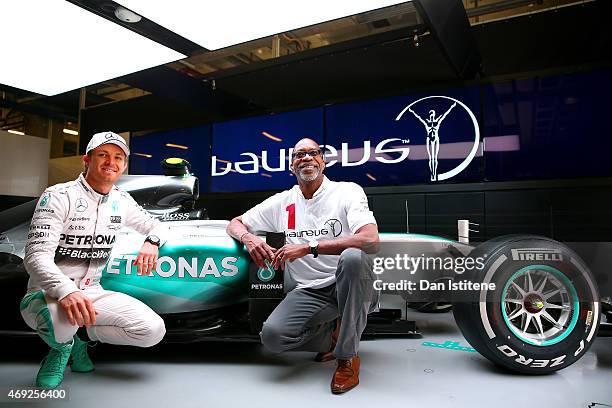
[[258, 249], [78, 309]]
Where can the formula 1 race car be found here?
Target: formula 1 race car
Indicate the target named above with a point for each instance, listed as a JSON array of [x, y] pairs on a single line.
[[543, 315]]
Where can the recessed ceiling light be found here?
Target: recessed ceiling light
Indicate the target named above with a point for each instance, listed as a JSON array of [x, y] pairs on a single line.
[[103, 49], [71, 132], [126, 15], [15, 132], [219, 24]]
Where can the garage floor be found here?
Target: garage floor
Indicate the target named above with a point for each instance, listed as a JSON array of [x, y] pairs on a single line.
[[395, 373]]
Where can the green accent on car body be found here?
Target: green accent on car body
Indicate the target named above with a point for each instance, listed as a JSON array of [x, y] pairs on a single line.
[[188, 276], [411, 235], [574, 299]]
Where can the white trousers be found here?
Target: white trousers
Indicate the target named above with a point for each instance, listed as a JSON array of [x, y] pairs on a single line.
[[120, 319]]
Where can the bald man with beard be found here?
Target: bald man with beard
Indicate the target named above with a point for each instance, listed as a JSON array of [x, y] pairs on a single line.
[[329, 232]]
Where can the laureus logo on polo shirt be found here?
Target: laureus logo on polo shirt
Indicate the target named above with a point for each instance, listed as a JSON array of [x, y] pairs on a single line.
[[332, 227]]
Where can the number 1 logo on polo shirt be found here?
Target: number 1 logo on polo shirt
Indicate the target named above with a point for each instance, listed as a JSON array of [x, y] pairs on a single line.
[[291, 216]]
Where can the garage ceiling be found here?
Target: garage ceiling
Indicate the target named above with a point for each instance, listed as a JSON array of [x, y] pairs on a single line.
[[368, 55]]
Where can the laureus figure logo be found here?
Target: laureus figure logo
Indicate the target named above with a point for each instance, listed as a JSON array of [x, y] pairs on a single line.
[[432, 125], [335, 226]]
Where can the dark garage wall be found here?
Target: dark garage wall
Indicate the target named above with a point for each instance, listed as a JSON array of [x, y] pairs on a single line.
[[566, 210]]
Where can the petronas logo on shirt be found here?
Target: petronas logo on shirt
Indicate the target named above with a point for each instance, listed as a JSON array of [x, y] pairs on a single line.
[[115, 206], [45, 200]]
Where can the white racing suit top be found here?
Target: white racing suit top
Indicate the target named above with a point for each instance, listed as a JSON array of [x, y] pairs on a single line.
[[72, 234]]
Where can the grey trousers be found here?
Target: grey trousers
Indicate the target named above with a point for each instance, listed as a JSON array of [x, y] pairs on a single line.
[[305, 318]]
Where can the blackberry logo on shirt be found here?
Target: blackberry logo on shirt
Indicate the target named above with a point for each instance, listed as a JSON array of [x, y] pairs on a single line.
[[82, 253], [335, 226], [115, 219]]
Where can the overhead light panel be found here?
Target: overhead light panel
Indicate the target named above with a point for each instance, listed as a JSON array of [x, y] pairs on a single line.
[[178, 146], [15, 132], [220, 24], [71, 132], [269, 136], [102, 50]]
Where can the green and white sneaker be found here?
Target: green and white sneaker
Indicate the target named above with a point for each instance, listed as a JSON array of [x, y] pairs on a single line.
[[79, 359], [51, 372]]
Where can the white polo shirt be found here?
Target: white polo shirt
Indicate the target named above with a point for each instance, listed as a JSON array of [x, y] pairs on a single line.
[[337, 209]]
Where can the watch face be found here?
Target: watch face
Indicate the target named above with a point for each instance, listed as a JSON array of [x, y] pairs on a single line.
[[153, 238], [314, 244]]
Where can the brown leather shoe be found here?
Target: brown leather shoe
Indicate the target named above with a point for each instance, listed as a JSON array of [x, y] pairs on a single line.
[[324, 356], [346, 376]]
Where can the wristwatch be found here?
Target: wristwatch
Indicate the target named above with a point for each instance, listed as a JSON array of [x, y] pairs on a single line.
[[154, 239], [314, 245]]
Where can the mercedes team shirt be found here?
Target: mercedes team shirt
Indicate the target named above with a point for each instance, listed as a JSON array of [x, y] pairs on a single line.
[[336, 209]]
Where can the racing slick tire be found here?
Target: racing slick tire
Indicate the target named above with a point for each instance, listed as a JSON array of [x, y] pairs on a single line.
[[544, 312]]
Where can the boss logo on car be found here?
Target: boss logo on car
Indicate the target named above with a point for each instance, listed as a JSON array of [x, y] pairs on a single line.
[[183, 268], [175, 217], [536, 254], [508, 352]]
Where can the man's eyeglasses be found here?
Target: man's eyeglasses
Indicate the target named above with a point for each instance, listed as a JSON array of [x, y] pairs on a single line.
[[302, 154]]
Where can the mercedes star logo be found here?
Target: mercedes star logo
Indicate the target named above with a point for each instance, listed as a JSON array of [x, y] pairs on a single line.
[[81, 205]]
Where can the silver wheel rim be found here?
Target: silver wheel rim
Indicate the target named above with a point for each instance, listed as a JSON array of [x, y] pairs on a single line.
[[538, 306]]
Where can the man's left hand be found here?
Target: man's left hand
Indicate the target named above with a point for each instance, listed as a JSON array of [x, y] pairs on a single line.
[[289, 253], [146, 260]]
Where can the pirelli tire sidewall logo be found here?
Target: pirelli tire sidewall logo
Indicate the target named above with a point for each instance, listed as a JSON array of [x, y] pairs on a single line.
[[536, 254]]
